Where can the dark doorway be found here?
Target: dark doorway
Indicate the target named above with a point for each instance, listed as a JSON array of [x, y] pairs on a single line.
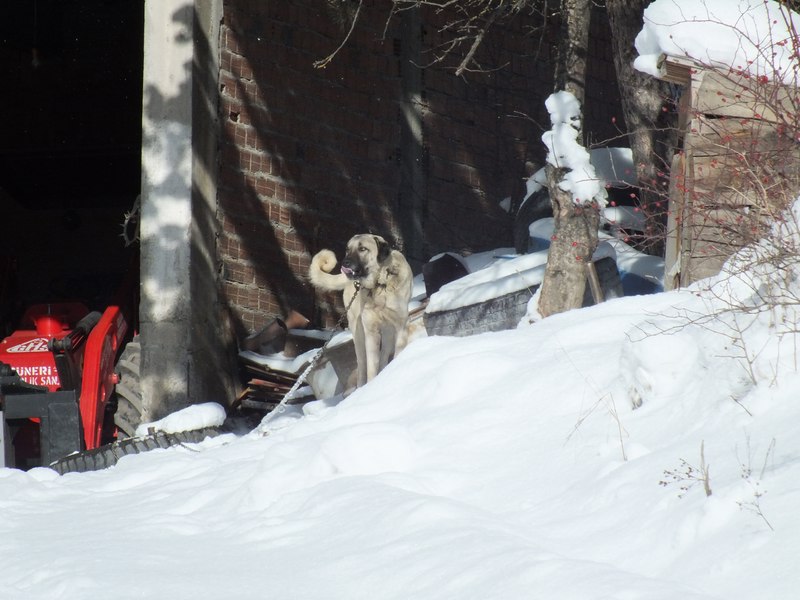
[[70, 144]]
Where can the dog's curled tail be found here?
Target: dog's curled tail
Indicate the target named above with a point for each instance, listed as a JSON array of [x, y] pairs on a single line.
[[319, 272]]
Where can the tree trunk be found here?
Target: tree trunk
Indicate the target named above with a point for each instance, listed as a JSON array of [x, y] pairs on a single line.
[[651, 124], [575, 233], [570, 68], [571, 248]]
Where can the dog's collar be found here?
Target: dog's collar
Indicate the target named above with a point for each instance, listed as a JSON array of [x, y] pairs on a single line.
[[378, 287]]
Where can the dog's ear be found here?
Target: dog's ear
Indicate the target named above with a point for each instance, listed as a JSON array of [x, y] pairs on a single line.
[[383, 248]]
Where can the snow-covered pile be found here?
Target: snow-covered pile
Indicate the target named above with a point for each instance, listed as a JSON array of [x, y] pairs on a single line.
[[504, 273], [198, 416]]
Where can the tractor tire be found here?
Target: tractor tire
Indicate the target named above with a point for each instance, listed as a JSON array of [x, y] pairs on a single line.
[[108, 455], [129, 411]]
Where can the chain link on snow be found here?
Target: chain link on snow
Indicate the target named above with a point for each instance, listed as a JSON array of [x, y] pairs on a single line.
[[281, 406]]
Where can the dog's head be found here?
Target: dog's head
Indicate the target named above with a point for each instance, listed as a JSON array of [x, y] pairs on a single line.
[[364, 256]]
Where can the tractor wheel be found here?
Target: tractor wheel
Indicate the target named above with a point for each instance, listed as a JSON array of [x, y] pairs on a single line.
[[128, 415], [108, 455]]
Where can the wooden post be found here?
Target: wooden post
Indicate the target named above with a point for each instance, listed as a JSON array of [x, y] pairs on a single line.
[[594, 283]]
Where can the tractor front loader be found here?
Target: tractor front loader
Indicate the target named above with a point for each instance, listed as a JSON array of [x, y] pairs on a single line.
[[57, 381]]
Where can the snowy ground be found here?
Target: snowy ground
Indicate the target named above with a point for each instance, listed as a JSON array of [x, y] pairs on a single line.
[[501, 466]]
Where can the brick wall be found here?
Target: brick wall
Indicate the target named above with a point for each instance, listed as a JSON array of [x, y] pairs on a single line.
[[310, 156]]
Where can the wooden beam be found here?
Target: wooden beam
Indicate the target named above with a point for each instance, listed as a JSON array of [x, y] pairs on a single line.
[[677, 70]]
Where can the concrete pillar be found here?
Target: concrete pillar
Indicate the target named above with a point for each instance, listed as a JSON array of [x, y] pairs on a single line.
[[186, 356]]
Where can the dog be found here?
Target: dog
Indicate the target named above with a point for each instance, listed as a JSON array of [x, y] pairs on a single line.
[[381, 279]]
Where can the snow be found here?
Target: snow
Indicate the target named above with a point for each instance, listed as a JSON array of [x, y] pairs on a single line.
[[751, 36], [496, 273], [289, 364], [565, 151], [198, 416], [612, 167], [499, 273], [505, 275], [497, 466], [500, 466]]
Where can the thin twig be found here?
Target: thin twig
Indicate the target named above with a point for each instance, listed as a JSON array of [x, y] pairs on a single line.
[[321, 64]]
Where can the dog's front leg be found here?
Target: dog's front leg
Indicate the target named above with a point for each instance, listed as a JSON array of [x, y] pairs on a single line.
[[372, 345], [387, 344], [361, 353]]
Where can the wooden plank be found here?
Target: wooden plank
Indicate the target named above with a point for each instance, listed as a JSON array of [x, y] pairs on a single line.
[[732, 95], [701, 266], [715, 136], [713, 174], [723, 227], [728, 122], [724, 95], [677, 69], [709, 238], [268, 385], [708, 91], [260, 370], [728, 180], [672, 247]]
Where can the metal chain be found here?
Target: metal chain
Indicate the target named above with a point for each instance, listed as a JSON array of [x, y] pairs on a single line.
[[281, 406]]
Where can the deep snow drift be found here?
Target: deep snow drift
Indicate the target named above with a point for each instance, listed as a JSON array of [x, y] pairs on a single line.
[[504, 465], [501, 466]]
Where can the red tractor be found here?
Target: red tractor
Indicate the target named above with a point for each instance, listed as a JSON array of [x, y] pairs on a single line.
[[69, 376], [58, 386]]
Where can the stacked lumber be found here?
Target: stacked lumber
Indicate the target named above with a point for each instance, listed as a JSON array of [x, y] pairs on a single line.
[[265, 387], [265, 384]]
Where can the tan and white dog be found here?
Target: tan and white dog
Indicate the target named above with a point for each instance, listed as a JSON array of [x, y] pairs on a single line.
[[377, 317]]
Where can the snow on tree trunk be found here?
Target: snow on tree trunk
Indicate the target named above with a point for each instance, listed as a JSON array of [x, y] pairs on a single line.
[[576, 194], [575, 233]]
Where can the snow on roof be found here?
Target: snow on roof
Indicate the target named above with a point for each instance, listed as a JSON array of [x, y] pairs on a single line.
[[752, 36]]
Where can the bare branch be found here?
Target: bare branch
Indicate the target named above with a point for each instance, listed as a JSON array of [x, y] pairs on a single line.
[[321, 64], [477, 41]]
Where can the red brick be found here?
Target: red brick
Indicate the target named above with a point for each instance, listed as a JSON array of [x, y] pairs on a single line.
[[309, 156]]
